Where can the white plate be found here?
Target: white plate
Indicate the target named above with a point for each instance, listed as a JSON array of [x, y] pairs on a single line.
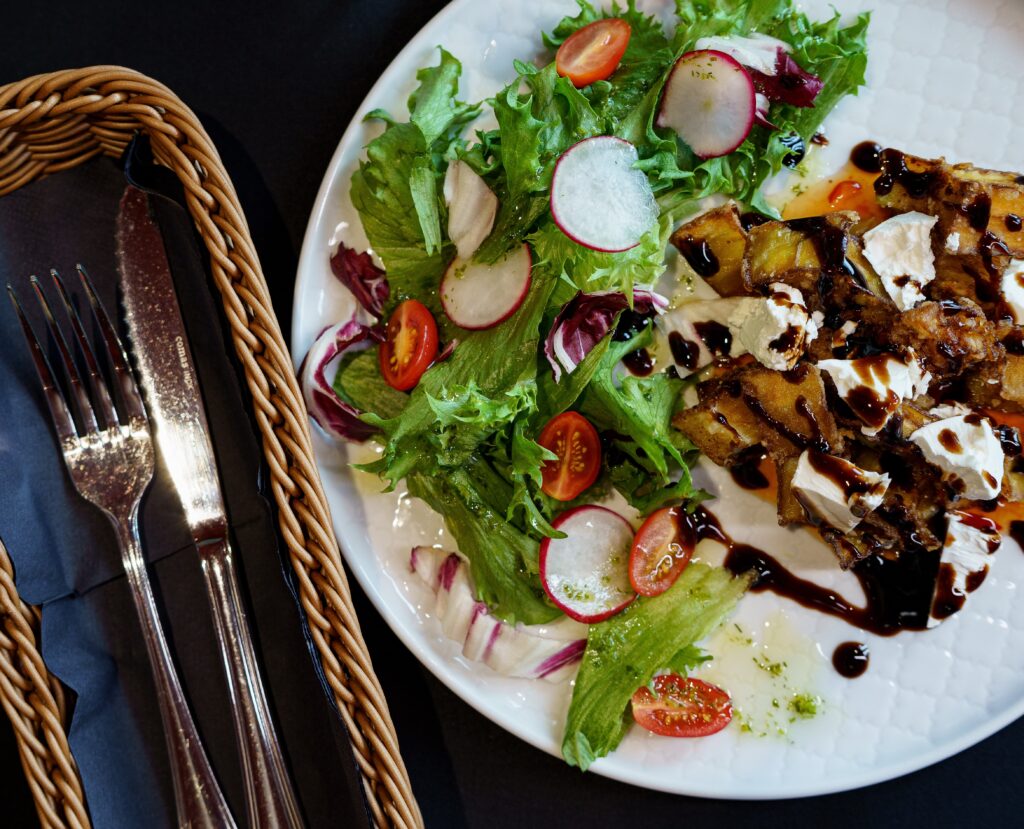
[[943, 80]]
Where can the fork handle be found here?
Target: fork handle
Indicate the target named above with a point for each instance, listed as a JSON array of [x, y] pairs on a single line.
[[271, 800], [198, 797]]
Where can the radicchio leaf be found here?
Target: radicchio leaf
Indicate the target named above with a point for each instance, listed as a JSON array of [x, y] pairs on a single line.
[[336, 417], [586, 319], [790, 84], [367, 282]]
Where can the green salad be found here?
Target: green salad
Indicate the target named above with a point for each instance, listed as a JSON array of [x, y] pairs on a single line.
[[519, 274]]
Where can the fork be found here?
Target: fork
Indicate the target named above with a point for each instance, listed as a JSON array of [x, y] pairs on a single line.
[[110, 459]]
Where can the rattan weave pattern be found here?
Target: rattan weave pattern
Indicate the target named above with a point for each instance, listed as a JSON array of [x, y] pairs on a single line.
[[56, 121]]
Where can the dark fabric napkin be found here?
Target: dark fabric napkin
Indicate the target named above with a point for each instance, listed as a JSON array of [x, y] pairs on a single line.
[[66, 557]]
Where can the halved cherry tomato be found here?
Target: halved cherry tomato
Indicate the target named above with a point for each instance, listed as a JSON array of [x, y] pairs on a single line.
[[682, 707], [593, 53], [662, 548], [575, 441], [410, 345]]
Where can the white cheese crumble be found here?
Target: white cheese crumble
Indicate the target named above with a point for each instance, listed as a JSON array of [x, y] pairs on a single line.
[[842, 334], [1012, 288], [775, 329], [833, 502], [953, 243], [888, 380], [968, 452], [900, 250], [759, 52], [970, 540]]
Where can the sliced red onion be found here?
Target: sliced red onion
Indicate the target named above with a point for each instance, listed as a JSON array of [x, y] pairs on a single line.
[[761, 112], [586, 319], [471, 208], [756, 52], [336, 417], [790, 84], [532, 651], [367, 282], [775, 73]]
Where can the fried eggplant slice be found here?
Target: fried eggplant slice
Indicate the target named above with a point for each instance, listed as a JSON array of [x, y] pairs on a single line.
[[949, 336], [784, 412], [713, 245]]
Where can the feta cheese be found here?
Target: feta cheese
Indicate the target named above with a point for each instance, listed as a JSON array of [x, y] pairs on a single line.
[[842, 334], [953, 243], [690, 323], [873, 387], [834, 491], [949, 410], [900, 250], [759, 52], [963, 564], [775, 329], [968, 452], [1012, 288]]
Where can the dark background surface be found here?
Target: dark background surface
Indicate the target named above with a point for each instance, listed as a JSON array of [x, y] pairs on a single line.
[[275, 84]]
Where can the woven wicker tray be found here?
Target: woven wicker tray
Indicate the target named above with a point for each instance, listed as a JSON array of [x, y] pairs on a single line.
[[56, 121]]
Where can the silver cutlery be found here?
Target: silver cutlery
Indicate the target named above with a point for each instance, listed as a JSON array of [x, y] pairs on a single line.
[[104, 436], [171, 387]]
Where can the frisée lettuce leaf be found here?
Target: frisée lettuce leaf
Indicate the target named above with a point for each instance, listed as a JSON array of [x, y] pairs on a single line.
[[624, 653]]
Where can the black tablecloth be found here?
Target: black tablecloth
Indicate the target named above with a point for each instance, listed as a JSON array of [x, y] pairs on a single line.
[[275, 84]]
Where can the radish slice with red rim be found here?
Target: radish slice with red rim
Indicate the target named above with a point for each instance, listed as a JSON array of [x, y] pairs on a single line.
[[475, 295], [587, 573], [598, 198], [709, 100]]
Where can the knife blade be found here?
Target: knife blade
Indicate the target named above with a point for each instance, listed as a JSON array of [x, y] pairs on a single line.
[[165, 368], [169, 381]]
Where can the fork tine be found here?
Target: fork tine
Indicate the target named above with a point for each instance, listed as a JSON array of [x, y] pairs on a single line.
[[61, 416], [79, 396], [96, 382], [115, 352]]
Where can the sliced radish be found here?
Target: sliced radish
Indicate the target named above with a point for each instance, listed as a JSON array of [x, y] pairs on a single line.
[[587, 573], [476, 295], [598, 199], [709, 101], [471, 208]]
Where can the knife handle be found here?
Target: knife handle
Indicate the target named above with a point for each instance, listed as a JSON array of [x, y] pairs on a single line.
[[269, 795], [198, 798]]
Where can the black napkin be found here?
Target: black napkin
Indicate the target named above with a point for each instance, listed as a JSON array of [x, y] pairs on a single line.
[[66, 558]]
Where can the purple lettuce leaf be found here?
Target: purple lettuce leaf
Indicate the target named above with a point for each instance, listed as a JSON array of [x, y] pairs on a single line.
[[367, 282], [336, 417], [587, 319], [790, 84]]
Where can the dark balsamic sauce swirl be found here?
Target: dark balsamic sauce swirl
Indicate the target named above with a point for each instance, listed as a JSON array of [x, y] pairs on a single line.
[[686, 353], [746, 471], [899, 592], [894, 170], [850, 659], [699, 255], [866, 156]]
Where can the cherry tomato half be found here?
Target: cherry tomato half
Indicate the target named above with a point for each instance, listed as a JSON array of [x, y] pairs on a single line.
[[593, 53], [682, 707], [661, 551], [575, 441], [409, 346]]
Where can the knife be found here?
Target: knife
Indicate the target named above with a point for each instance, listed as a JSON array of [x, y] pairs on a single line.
[[168, 378]]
